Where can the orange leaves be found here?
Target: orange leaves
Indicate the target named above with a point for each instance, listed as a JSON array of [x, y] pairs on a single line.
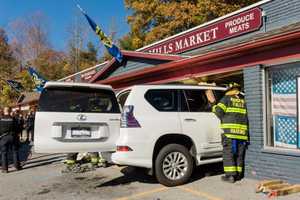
[[152, 20]]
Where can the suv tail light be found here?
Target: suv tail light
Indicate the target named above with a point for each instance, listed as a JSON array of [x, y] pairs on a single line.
[[123, 148], [127, 118]]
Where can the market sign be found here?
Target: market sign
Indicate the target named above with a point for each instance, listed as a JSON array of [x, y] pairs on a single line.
[[239, 24]]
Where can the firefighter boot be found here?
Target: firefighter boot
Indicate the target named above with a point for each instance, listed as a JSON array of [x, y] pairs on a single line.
[[228, 178]]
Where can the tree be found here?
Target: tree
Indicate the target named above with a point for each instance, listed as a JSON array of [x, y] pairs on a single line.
[[8, 63], [26, 81], [152, 20], [50, 64], [30, 37], [77, 36], [8, 96], [88, 58], [126, 42]]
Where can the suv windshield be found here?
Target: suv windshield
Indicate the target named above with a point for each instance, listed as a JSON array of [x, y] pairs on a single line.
[[78, 99]]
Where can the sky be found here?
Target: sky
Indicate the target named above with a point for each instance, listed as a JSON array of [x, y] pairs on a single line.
[[61, 13]]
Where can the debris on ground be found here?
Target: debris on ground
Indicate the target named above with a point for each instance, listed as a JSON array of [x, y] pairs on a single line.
[[79, 168], [274, 188]]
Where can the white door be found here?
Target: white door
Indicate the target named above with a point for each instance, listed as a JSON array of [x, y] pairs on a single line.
[[198, 120], [76, 119]]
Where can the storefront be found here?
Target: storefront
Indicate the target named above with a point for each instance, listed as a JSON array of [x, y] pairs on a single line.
[[258, 46]]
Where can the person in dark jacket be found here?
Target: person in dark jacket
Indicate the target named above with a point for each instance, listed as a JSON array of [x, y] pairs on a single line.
[[232, 112], [30, 126], [9, 140], [20, 122]]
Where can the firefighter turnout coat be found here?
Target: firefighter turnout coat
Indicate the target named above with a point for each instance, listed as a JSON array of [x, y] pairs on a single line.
[[232, 112]]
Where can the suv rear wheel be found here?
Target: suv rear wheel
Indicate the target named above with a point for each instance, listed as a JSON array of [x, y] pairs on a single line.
[[173, 165]]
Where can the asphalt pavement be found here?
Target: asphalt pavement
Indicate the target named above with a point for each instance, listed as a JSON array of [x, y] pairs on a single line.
[[41, 179]]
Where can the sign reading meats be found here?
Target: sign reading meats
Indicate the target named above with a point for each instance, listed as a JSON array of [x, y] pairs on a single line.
[[245, 22]]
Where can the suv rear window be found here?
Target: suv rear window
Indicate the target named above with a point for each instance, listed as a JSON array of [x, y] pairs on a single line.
[[78, 99], [163, 100]]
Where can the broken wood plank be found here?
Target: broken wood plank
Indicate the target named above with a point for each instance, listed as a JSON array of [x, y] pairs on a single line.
[[267, 189], [285, 191], [260, 186]]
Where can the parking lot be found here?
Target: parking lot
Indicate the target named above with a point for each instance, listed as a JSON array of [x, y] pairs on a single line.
[[42, 179]]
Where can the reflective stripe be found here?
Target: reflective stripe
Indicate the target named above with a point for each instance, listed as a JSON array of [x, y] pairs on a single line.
[[239, 169], [214, 108], [101, 160], [234, 126], [230, 169], [222, 106], [236, 110], [239, 137], [70, 162], [94, 160]]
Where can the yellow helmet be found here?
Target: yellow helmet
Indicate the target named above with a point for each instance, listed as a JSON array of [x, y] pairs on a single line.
[[233, 85]]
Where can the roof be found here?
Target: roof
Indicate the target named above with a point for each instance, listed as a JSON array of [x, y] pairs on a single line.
[[177, 86], [27, 98], [51, 84], [86, 73], [281, 37], [134, 55]]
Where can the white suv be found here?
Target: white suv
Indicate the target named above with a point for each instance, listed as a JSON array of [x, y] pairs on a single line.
[[166, 128], [169, 129], [76, 117]]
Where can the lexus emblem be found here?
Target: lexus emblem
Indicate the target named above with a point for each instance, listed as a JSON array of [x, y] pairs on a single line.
[[81, 117]]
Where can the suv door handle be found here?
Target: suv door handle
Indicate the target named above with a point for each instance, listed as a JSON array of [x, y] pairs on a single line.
[[190, 120], [116, 119]]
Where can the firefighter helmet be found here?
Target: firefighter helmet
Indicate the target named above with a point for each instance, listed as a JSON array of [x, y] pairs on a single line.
[[233, 85]]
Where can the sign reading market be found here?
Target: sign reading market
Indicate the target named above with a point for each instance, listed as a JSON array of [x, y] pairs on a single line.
[[242, 23]]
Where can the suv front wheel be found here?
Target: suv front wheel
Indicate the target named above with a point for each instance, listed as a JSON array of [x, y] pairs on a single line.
[[173, 165]]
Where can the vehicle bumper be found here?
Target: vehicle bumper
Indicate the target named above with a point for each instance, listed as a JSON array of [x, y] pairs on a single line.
[[128, 158]]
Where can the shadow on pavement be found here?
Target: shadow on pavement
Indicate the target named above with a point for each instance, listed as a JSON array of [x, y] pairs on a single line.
[[207, 170], [24, 153], [25, 156], [134, 174], [43, 162], [130, 175]]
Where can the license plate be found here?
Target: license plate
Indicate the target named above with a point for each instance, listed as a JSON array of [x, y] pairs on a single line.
[[81, 132]]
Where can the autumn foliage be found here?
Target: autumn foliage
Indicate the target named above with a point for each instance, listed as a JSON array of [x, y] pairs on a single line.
[[152, 20]]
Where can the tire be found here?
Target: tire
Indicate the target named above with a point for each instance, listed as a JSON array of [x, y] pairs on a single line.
[[164, 169]]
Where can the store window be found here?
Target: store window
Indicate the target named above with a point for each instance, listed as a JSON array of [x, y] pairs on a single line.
[[282, 106]]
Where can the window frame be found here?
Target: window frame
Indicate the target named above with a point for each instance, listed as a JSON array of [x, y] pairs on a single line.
[[126, 92], [268, 132]]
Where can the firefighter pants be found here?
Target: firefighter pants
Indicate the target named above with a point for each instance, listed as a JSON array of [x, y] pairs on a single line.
[[9, 143], [233, 162]]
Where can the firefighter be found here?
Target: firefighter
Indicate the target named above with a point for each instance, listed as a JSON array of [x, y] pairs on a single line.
[[9, 140], [70, 162], [232, 112], [94, 158]]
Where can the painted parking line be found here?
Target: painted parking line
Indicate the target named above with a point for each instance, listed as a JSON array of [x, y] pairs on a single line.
[[142, 194], [200, 193]]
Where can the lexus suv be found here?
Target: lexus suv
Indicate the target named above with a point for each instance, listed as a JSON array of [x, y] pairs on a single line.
[[169, 129], [76, 117], [166, 128]]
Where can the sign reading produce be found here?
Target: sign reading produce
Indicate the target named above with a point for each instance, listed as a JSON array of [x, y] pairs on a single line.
[[242, 23]]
